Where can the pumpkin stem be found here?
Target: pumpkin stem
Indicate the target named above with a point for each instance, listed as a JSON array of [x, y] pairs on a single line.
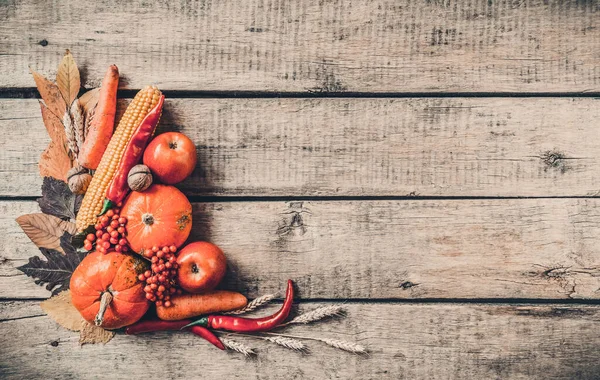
[[105, 300], [148, 219]]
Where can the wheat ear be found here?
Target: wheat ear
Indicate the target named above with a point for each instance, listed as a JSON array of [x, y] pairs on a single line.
[[254, 304], [238, 347]]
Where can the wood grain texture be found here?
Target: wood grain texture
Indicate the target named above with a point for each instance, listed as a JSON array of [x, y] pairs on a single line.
[[407, 341], [320, 46], [526, 248], [332, 147]]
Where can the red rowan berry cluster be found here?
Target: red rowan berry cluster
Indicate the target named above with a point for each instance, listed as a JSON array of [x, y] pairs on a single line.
[[110, 233], [160, 280]]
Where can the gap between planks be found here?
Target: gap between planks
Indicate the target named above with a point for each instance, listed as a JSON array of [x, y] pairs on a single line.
[[32, 93]]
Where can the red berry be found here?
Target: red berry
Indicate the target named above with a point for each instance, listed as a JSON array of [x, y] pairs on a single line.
[[122, 220], [168, 265], [173, 248], [162, 279], [141, 277], [160, 254], [114, 224], [161, 288], [99, 233], [159, 303], [91, 237], [106, 245], [165, 249], [114, 234], [125, 248], [167, 303], [113, 241], [115, 217], [118, 248], [105, 236], [110, 213], [98, 226], [153, 286], [104, 220], [109, 229], [121, 230], [155, 249], [123, 242], [154, 259], [161, 268], [147, 273], [87, 246], [149, 296]]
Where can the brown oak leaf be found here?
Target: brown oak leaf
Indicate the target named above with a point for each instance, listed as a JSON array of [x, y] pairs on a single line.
[[67, 79], [91, 333], [55, 160], [45, 230], [62, 311], [50, 95]]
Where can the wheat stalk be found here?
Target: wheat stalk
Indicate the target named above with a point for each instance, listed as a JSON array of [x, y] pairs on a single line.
[[78, 124], [70, 133], [317, 314], [342, 345], [254, 304], [292, 344], [346, 346], [238, 347]]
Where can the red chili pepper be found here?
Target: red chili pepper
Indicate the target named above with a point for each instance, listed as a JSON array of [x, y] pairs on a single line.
[[240, 324], [208, 335], [160, 325], [118, 188]]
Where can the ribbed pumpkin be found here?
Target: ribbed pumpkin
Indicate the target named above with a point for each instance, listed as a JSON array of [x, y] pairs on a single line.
[[106, 290], [161, 216]]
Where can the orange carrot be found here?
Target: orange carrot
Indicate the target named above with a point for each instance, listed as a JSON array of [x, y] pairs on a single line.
[[191, 305], [101, 127]]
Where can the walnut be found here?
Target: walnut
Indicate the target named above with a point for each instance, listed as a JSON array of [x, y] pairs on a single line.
[[139, 178], [78, 179]]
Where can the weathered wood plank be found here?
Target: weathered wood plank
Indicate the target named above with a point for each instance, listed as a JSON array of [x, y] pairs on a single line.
[[519, 248], [438, 147], [407, 341], [400, 46]]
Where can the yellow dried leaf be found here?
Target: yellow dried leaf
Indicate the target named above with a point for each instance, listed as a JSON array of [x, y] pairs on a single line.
[[55, 161], [62, 311], [45, 230], [67, 79], [50, 94], [91, 333]]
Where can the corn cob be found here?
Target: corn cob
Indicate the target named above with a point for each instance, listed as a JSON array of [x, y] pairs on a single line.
[[144, 101]]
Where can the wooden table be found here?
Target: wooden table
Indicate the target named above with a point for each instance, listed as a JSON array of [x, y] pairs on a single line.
[[433, 165]]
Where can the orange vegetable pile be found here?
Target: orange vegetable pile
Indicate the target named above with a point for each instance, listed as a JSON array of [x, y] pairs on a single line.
[[112, 287]]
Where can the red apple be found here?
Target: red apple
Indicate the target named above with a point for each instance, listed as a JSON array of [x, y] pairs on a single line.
[[202, 266], [171, 157]]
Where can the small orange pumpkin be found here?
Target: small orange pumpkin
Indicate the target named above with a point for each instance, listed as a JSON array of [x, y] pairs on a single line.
[[106, 290], [161, 216]]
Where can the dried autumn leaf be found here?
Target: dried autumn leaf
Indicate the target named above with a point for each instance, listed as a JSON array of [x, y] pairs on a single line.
[[62, 311], [55, 160], [89, 99], [45, 230], [67, 79], [58, 200], [88, 102], [57, 269], [93, 334], [50, 94]]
